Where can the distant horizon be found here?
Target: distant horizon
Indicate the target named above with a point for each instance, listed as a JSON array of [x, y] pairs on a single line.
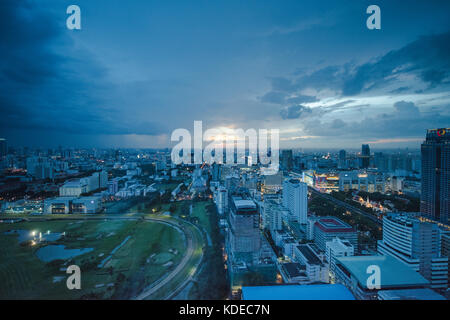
[[331, 149]]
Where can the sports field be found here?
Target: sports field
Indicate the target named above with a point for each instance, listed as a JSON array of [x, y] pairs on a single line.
[[127, 256]]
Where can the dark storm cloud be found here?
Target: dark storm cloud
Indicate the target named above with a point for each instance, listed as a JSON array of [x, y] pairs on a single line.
[[427, 59], [43, 89], [295, 112]]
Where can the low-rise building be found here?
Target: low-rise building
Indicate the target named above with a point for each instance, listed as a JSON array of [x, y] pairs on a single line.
[[316, 270], [328, 228], [335, 249], [355, 273], [69, 205]]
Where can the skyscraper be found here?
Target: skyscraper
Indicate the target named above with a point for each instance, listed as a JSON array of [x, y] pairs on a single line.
[[435, 196], [3, 147], [244, 237], [295, 199], [342, 163], [365, 156]]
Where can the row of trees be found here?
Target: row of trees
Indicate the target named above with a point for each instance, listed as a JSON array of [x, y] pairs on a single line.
[[212, 282]]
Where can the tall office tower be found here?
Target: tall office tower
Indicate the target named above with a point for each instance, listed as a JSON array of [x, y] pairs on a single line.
[[417, 244], [216, 170], [342, 163], [365, 156], [295, 199], [244, 234], [435, 196], [3, 147], [222, 200], [286, 160]]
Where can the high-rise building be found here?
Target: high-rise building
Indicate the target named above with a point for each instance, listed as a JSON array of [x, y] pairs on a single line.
[[216, 170], [244, 234], [286, 160], [365, 156], [417, 244], [295, 199], [435, 196], [445, 248], [222, 200], [3, 147], [342, 162]]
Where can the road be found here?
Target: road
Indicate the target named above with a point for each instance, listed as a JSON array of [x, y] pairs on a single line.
[[346, 205], [189, 255]]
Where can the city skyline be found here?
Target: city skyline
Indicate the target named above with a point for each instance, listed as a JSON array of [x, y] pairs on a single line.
[[312, 70], [236, 151]]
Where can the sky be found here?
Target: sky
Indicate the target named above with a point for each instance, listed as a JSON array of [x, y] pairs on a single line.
[[139, 69]]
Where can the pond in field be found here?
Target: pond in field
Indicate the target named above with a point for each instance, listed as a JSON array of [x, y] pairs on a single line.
[[55, 252], [26, 235]]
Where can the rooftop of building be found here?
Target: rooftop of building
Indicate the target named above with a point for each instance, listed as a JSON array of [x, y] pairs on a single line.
[[243, 204], [438, 135], [339, 243], [89, 198], [309, 254], [297, 292], [404, 218], [315, 248], [293, 269], [332, 224], [410, 294], [73, 183], [56, 199], [394, 273]]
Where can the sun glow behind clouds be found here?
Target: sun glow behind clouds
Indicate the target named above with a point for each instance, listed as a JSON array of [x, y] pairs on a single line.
[[394, 140]]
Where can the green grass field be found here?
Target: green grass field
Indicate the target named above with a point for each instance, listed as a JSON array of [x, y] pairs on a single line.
[[152, 250]]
